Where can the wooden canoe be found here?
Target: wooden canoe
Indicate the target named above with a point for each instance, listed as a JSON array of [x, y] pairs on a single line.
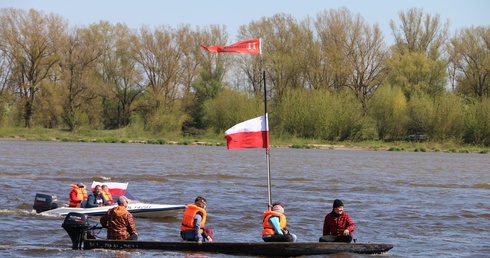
[[244, 248]]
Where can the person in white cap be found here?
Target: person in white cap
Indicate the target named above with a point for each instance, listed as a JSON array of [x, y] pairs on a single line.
[[274, 224]]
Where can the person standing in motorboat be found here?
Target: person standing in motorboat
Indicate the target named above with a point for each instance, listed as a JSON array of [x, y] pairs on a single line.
[[338, 226], [107, 194], [193, 222], [274, 224], [96, 198], [77, 195], [119, 222]]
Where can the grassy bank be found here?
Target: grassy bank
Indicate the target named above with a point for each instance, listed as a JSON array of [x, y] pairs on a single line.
[[126, 136]]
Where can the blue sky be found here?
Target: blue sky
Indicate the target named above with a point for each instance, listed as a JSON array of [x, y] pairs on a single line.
[[461, 13]]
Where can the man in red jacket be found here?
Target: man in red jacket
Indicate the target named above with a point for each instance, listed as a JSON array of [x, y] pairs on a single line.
[[338, 225]]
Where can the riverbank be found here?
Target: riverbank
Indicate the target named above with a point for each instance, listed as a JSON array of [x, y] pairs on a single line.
[[125, 137]]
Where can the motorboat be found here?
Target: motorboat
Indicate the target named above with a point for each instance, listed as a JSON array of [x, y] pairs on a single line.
[[47, 204]]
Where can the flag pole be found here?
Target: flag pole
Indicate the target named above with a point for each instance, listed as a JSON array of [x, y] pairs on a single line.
[[267, 149]]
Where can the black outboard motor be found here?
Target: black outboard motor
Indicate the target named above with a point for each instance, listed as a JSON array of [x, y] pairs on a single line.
[[44, 202], [76, 224]]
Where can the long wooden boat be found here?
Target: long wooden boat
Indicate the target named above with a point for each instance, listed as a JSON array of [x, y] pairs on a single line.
[[78, 227], [244, 248]]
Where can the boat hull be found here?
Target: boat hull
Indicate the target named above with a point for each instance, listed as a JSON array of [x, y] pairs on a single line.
[[142, 210], [244, 248]]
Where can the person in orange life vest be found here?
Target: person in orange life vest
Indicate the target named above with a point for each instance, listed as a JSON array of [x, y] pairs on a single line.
[[107, 194], [76, 195], [96, 198], [338, 225], [193, 222], [274, 224]]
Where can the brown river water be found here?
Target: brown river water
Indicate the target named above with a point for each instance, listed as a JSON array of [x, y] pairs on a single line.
[[425, 204]]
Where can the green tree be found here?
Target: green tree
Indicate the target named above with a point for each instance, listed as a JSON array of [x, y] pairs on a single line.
[[388, 110], [417, 74], [81, 52], [229, 108], [30, 40], [416, 64], [119, 74], [470, 59], [477, 123]]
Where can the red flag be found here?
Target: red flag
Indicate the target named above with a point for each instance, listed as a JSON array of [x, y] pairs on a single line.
[[252, 46], [118, 189], [253, 133]]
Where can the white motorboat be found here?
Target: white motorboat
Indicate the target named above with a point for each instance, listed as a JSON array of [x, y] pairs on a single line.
[[48, 204]]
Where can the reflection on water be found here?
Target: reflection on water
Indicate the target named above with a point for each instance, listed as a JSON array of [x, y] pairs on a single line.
[[426, 204]]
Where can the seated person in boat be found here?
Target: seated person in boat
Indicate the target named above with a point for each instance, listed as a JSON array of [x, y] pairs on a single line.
[[107, 194], [274, 224], [77, 195], [96, 198], [119, 222], [193, 221], [338, 225]]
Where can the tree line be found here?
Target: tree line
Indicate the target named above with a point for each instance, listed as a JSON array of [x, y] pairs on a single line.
[[329, 77]]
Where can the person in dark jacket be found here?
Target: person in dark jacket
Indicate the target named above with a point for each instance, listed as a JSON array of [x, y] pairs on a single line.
[[338, 225], [96, 198], [119, 222]]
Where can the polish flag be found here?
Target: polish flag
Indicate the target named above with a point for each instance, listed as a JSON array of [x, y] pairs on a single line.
[[253, 133], [252, 46], [116, 189]]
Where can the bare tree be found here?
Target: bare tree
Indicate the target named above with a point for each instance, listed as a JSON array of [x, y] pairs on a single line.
[[353, 53]]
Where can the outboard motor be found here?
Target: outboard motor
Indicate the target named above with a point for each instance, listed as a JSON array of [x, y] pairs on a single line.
[[44, 202], [76, 224]]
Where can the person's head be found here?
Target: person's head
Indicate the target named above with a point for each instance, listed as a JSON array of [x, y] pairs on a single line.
[[122, 201], [278, 207], [338, 206], [105, 188], [97, 189], [81, 185], [200, 202]]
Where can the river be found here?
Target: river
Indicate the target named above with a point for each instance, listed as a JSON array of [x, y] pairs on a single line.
[[425, 204]]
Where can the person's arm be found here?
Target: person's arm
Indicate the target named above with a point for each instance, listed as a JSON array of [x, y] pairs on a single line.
[[351, 226], [197, 227], [326, 227], [91, 202], [132, 226], [103, 220], [274, 220]]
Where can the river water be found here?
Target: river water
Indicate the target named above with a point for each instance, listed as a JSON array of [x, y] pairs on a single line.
[[425, 204]]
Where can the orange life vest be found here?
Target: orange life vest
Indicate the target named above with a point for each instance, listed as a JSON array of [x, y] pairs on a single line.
[[188, 217], [268, 228], [84, 192], [108, 197], [76, 201]]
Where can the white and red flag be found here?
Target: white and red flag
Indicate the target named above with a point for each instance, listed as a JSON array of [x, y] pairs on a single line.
[[117, 189], [251, 46], [253, 133]]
